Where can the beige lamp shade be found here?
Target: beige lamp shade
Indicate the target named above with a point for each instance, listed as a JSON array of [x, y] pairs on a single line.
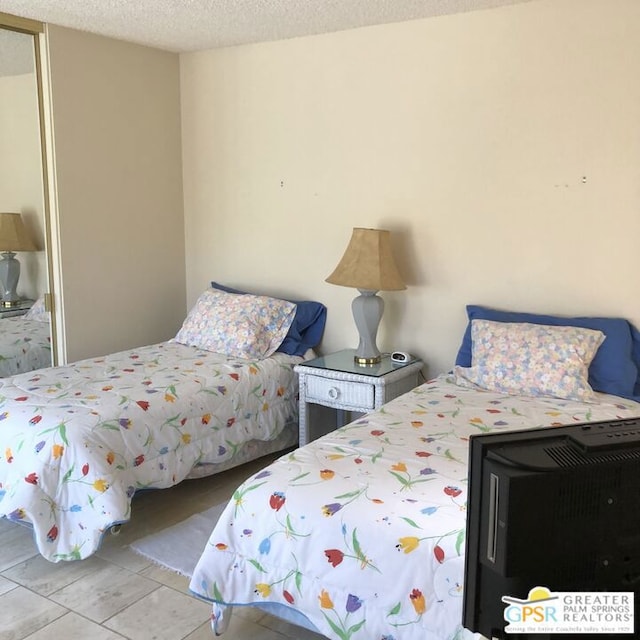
[[13, 237], [368, 263], [13, 234]]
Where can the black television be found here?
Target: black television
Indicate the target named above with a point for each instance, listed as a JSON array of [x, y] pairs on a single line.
[[557, 507]]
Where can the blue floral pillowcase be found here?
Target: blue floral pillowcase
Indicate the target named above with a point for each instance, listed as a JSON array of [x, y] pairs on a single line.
[[531, 359], [242, 326]]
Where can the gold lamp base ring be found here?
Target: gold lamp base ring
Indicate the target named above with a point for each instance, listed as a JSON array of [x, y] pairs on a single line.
[[8, 304]]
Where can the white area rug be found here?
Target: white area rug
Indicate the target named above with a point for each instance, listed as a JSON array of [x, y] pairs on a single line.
[[179, 547]]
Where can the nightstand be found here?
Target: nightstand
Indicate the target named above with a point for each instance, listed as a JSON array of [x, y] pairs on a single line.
[[17, 310], [336, 381]]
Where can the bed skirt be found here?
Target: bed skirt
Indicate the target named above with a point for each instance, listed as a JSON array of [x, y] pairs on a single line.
[[251, 450]]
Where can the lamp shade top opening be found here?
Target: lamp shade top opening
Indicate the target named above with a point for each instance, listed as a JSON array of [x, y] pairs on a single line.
[[368, 263]]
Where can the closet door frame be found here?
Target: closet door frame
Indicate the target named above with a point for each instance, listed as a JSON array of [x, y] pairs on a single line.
[[37, 30]]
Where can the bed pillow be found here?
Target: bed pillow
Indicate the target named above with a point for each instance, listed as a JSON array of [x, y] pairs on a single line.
[[241, 326], [306, 329], [614, 368], [531, 359], [38, 311]]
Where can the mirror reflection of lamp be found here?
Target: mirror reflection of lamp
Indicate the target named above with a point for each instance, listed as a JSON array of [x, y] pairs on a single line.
[[368, 265], [13, 237]]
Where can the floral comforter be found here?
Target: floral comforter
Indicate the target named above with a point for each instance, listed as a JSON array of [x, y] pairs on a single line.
[[25, 345], [363, 530], [76, 442]]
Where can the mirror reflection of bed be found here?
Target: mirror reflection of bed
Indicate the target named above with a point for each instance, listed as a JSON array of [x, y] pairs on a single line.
[[25, 338]]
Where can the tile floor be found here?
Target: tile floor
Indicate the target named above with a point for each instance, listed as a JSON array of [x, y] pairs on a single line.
[[116, 593]]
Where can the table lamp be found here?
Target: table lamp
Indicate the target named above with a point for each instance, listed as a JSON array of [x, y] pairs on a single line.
[[13, 237], [368, 265]]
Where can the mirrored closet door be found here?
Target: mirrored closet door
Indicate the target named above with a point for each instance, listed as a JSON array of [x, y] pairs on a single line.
[[26, 323]]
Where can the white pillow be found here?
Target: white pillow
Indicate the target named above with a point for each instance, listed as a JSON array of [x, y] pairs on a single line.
[[37, 311], [531, 359], [241, 326]]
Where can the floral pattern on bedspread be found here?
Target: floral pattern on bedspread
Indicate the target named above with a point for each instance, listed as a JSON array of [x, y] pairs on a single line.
[[25, 345], [76, 442], [363, 530]]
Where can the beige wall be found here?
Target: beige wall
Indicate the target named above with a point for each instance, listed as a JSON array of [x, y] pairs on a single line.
[[21, 173], [501, 147], [117, 166]]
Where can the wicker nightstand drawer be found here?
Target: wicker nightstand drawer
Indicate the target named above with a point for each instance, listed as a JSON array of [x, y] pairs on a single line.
[[341, 392]]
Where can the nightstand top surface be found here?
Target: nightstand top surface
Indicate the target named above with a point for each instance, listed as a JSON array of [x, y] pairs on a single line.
[[23, 305], [343, 361]]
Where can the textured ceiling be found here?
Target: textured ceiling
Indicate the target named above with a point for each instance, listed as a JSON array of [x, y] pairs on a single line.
[[194, 25]]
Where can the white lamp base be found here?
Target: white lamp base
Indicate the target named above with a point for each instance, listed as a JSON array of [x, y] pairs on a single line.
[[367, 312]]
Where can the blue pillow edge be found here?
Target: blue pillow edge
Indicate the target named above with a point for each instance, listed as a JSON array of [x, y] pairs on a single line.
[[635, 338]]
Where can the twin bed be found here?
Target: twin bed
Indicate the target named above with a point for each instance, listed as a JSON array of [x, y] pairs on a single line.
[[360, 535], [76, 442]]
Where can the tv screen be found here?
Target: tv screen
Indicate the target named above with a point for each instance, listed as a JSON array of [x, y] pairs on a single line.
[[555, 509]]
